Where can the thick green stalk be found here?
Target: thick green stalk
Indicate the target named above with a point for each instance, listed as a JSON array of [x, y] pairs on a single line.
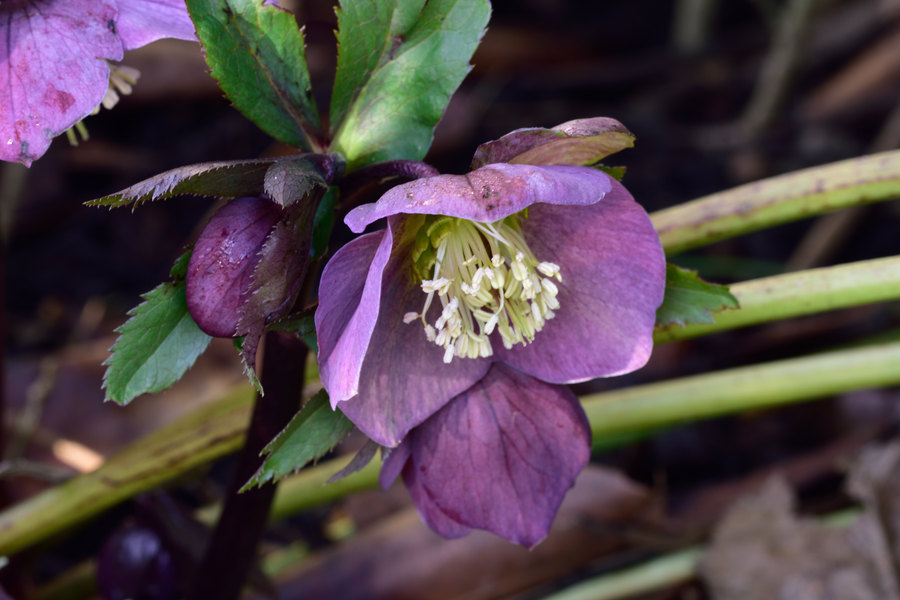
[[779, 200], [197, 439], [666, 403], [801, 293]]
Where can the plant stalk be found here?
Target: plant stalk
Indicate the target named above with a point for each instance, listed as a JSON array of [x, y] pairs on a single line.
[[795, 294], [778, 200], [231, 551]]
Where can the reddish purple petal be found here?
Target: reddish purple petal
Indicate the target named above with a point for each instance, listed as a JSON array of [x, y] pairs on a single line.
[[613, 277], [500, 456], [487, 194], [349, 294], [403, 379], [52, 72], [396, 462], [579, 142], [144, 21], [221, 267], [429, 510]]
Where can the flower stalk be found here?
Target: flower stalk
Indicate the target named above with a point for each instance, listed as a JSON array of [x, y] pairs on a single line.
[[778, 200], [231, 550], [796, 294]]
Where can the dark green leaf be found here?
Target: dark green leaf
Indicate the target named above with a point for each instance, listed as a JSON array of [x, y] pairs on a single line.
[[689, 299], [229, 179], [155, 346], [398, 64], [311, 434], [257, 55]]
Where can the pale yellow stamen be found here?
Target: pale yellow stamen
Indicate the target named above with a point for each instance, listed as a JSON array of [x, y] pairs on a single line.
[[487, 280]]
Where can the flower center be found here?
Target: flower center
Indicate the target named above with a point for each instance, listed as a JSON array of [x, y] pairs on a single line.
[[487, 280]]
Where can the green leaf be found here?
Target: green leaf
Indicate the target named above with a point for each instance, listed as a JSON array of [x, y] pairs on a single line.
[[228, 179], [311, 434], [323, 223], [398, 64], [155, 346], [257, 55], [689, 299]]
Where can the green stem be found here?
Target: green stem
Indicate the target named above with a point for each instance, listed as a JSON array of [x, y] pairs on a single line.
[[197, 439], [667, 403], [802, 293], [653, 575], [779, 200]]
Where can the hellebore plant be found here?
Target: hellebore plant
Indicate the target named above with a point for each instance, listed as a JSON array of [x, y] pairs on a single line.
[[449, 332], [54, 62]]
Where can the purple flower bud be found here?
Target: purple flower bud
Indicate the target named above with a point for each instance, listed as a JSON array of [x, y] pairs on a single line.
[[220, 272]]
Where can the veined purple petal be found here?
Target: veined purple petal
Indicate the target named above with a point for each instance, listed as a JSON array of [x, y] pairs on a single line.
[[398, 461], [431, 513], [613, 279], [486, 194], [143, 21], [403, 379], [221, 268], [52, 69], [349, 301], [500, 456]]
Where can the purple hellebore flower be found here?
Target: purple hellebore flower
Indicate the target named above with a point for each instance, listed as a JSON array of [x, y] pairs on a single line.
[[54, 68], [447, 334]]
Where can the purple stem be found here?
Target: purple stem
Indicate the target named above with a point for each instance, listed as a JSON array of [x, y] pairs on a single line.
[[231, 552]]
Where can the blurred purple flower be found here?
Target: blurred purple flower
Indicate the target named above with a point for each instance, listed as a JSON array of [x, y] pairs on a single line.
[[54, 68], [448, 335]]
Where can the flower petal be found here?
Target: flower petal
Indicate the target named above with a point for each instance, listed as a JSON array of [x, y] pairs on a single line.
[[394, 461], [221, 268], [52, 72], [431, 513], [403, 379], [144, 21], [487, 194], [579, 142], [349, 300], [397, 461], [501, 456], [613, 278]]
